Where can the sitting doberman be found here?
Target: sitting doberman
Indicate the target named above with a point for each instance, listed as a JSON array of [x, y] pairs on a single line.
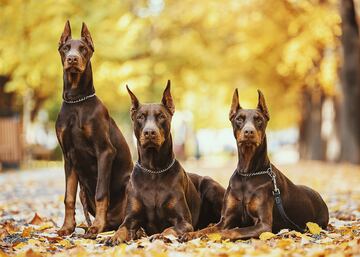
[[96, 154], [259, 197], [163, 199]]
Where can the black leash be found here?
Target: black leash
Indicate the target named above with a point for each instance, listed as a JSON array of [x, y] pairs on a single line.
[[277, 196]]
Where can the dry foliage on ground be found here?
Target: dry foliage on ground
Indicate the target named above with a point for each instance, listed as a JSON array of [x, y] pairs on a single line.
[[31, 211]]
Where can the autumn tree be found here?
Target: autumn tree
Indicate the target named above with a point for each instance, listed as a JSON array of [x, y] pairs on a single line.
[[350, 75]]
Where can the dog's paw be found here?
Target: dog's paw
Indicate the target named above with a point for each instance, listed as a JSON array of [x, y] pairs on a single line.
[[112, 241], [188, 236], [66, 230], [121, 236], [161, 237], [229, 235], [92, 233]]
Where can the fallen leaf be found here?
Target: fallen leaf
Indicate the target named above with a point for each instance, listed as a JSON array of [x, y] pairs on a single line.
[[45, 225], [65, 243], [3, 233], [36, 220], [313, 228], [283, 243], [266, 235], [31, 253], [20, 245], [107, 233], [27, 232], [214, 237]]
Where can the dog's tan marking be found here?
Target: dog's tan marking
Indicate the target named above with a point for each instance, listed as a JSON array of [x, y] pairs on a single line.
[[87, 129], [100, 217], [70, 200]]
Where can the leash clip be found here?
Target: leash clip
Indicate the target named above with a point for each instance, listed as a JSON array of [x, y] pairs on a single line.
[[272, 175]]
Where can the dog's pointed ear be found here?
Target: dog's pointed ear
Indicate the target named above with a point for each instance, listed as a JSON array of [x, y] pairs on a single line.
[[167, 100], [262, 105], [85, 35], [66, 35], [135, 104], [235, 105]]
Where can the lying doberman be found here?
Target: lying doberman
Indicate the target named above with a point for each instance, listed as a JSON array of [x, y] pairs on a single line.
[[163, 199], [259, 197], [96, 154]]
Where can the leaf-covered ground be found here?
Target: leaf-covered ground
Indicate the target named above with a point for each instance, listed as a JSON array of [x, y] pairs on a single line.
[[31, 210]]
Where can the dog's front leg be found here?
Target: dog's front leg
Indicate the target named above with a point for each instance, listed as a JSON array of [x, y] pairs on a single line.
[[105, 159], [262, 216], [179, 216], [129, 229], [70, 199], [229, 215]]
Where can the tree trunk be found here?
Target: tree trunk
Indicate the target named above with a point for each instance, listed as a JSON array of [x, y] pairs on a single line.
[[311, 144], [350, 76]]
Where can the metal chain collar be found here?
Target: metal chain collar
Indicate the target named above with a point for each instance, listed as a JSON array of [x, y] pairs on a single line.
[[269, 172], [78, 100], [155, 171]]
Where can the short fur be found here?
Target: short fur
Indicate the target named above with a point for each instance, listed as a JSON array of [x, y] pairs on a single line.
[[96, 154], [173, 202], [248, 208]]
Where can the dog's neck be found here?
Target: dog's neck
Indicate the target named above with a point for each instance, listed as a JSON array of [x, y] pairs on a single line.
[[253, 159], [78, 85], [156, 159]]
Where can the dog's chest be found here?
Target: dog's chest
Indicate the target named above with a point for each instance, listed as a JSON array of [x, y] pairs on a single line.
[[246, 196], [157, 200], [74, 137]]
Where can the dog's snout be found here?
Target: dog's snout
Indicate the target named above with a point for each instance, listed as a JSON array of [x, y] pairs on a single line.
[[249, 132], [72, 59], [149, 133]]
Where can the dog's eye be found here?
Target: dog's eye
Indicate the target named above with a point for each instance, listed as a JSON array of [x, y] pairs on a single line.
[[161, 116], [66, 48], [140, 117], [258, 121], [240, 120], [83, 50]]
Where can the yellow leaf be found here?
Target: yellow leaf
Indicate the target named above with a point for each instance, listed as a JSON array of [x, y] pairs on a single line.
[[27, 232], [266, 235], [20, 245], [33, 242], [65, 243], [120, 250], [283, 243], [46, 225], [214, 237], [107, 233], [313, 228]]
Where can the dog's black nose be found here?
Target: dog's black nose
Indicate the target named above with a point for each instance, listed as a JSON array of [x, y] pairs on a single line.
[[72, 59], [248, 132], [149, 133]]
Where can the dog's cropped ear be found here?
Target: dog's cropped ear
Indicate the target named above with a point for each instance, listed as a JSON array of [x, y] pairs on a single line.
[[135, 104], [262, 105], [66, 35], [85, 35], [167, 100], [235, 105]]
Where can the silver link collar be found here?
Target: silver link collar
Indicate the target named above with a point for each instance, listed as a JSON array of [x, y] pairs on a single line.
[[78, 100], [155, 171]]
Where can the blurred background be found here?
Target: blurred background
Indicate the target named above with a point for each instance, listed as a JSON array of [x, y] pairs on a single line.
[[303, 54]]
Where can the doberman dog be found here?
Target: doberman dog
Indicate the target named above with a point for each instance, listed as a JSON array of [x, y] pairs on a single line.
[[249, 207], [96, 154], [163, 199]]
